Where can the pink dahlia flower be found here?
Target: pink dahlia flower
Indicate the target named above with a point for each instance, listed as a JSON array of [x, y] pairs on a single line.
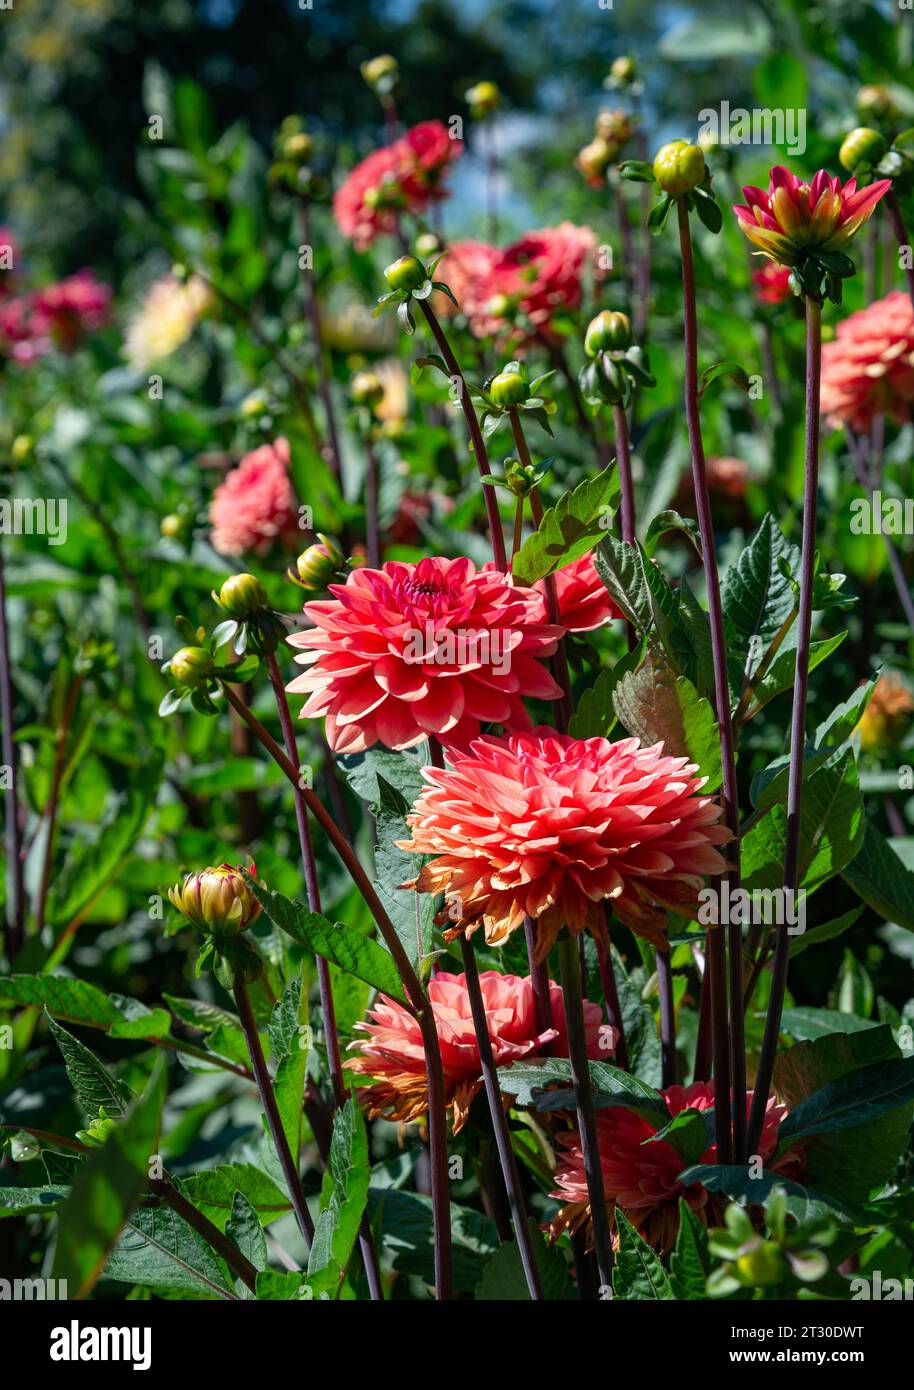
[[868, 369], [772, 283], [643, 1179], [405, 176], [255, 507], [438, 647], [794, 218], [584, 601], [543, 825], [537, 278], [393, 1058], [71, 308], [21, 337]]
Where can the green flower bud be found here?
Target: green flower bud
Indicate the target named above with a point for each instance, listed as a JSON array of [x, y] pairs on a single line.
[[876, 102], [608, 332], [623, 71], [171, 526], [861, 146], [483, 99], [366, 388], [242, 594], [380, 72], [594, 160], [764, 1265], [679, 167], [405, 274], [254, 405], [520, 480], [191, 666], [98, 1131], [217, 900], [22, 447], [317, 565], [500, 306], [427, 246], [298, 147], [509, 387]]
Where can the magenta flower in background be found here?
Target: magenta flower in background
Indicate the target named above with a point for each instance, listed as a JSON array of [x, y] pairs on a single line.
[[256, 506], [795, 218], [406, 176]]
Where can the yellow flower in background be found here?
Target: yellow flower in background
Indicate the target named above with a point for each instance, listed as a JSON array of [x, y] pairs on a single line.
[[169, 315], [886, 717]]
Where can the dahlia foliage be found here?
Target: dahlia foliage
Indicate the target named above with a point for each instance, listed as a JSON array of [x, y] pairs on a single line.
[[500, 595]]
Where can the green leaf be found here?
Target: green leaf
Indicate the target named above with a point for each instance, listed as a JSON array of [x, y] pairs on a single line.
[[77, 1001], [621, 568], [285, 1285], [857, 1099], [347, 948], [405, 1222], [106, 1190], [780, 674], [878, 876], [657, 706], [690, 1133], [668, 521], [827, 931], [638, 1273], [595, 716], [214, 1189], [612, 1087], [853, 1162], [95, 1087], [289, 1055], [412, 914], [25, 1201], [831, 830], [244, 1230], [732, 371], [569, 529], [757, 599], [402, 770], [690, 1262], [503, 1279], [808, 1023], [733, 1180], [160, 1251], [712, 217], [344, 1193]]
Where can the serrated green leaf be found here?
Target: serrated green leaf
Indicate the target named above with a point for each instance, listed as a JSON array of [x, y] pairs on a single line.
[[690, 1262], [638, 1272], [160, 1251], [831, 830], [95, 1087], [503, 1279], [344, 1193], [569, 529], [656, 705], [880, 878]]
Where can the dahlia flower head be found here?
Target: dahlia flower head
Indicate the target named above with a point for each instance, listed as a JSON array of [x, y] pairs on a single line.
[[868, 368], [166, 319], [795, 218], [255, 507], [772, 283], [405, 176], [885, 720], [538, 277], [21, 338], [410, 650], [66, 311], [392, 1056], [543, 825], [584, 602], [643, 1179]]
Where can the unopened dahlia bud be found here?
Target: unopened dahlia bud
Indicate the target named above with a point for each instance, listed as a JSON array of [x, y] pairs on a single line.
[[317, 565], [509, 387], [366, 388], [254, 405], [407, 273], [242, 594], [875, 102], [217, 900], [191, 666], [500, 306], [764, 1265], [520, 480], [381, 72], [623, 71], [22, 447], [298, 147], [483, 99], [594, 160], [428, 244], [615, 126], [608, 332], [679, 167], [861, 146], [171, 526]]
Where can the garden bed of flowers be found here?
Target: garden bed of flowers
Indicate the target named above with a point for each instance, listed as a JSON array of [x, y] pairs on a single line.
[[456, 703]]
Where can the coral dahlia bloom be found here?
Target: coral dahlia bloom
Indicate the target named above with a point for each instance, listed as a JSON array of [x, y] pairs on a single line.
[[887, 715], [21, 338], [166, 320], [71, 308], [392, 1052], [256, 505], [794, 218], [536, 278], [583, 599], [405, 176], [772, 283], [643, 1179], [868, 368], [549, 826], [437, 647]]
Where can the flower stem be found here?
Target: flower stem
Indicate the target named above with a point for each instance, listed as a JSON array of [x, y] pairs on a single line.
[[798, 721], [372, 528], [559, 662], [268, 1101], [499, 1121], [478, 443], [539, 981], [15, 898], [611, 994], [624, 465], [732, 1060], [50, 811], [332, 451], [437, 1126], [896, 217], [325, 988], [667, 1018], [583, 1095]]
